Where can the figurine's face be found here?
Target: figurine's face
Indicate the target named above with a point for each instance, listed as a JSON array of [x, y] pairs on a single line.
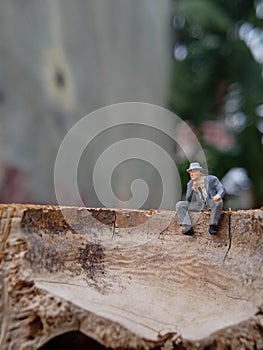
[[195, 174]]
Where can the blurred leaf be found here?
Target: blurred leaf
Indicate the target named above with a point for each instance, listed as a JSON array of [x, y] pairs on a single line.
[[204, 12]]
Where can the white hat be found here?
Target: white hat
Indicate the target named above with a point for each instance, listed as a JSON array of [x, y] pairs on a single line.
[[195, 166]]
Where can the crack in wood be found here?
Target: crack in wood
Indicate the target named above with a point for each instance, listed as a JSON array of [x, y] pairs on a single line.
[[5, 296], [7, 228], [4, 307], [114, 225], [229, 235]]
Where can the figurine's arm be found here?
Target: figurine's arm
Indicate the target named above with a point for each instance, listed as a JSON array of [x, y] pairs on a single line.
[[189, 191], [219, 189]]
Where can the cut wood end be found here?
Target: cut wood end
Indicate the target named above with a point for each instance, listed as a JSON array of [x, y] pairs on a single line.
[[128, 278]]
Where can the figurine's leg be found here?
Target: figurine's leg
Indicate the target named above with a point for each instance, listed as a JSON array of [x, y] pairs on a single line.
[[182, 212], [216, 208]]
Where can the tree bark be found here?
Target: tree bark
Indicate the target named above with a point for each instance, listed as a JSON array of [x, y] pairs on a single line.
[[128, 279]]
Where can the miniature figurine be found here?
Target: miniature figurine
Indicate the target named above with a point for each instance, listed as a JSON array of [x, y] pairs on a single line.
[[204, 192]]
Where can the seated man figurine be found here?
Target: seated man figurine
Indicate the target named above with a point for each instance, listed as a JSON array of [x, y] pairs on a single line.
[[204, 192]]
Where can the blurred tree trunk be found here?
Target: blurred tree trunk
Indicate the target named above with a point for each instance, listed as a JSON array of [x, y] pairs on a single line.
[[61, 60]]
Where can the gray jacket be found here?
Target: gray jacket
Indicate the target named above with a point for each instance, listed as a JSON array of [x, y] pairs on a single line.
[[212, 184]]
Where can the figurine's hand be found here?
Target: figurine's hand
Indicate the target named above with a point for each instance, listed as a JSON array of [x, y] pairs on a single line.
[[217, 198]]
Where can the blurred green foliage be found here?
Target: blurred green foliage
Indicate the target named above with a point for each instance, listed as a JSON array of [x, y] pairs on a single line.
[[214, 68]]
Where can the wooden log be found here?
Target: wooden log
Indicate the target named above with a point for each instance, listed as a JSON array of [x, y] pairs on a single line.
[[128, 279]]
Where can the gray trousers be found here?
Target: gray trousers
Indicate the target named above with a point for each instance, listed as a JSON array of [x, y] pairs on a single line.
[[183, 208]]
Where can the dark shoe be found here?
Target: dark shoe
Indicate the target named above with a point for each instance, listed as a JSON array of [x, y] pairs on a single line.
[[213, 229], [188, 231]]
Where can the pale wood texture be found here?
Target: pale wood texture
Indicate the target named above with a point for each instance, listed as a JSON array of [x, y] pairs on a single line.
[[129, 279]]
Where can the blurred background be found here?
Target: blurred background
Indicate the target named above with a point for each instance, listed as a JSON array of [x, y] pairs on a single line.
[[201, 59]]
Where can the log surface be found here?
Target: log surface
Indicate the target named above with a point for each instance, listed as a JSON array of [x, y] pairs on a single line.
[[129, 279]]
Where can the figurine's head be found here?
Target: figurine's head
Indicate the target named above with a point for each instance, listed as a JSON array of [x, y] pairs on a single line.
[[195, 171]]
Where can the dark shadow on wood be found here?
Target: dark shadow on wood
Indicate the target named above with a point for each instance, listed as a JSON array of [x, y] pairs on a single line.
[[72, 340]]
